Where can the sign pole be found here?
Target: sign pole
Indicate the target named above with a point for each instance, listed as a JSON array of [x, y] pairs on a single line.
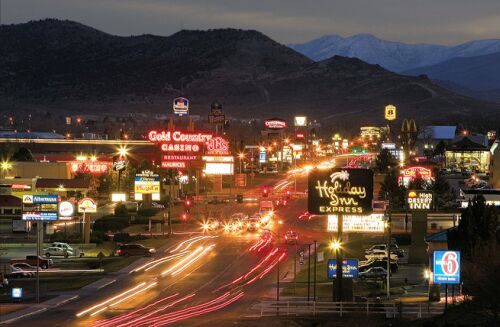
[[388, 249], [315, 262], [309, 274], [38, 224], [446, 297], [340, 259]]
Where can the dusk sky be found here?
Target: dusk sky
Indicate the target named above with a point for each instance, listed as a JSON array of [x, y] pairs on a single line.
[[286, 21]]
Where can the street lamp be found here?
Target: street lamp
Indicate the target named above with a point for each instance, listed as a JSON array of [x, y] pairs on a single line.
[[336, 246], [122, 151], [5, 166], [241, 156]]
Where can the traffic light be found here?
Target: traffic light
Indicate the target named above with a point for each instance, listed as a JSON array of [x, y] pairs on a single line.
[[287, 194], [187, 203], [265, 193], [184, 216]]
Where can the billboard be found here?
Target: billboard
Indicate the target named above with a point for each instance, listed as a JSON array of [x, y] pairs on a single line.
[[66, 209], [40, 207], [181, 106], [87, 205], [349, 268], [446, 267], [275, 123], [390, 112], [373, 223], [300, 121], [340, 190], [147, 182], [419, 200]]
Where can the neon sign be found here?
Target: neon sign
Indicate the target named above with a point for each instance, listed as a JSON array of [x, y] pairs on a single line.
[[94, 167], [218, 146], [413, 172], [174, 147], [340, 190], [275, 124], [419, 200], [178, 157], [173, 164], [181, 106], [177, 136]]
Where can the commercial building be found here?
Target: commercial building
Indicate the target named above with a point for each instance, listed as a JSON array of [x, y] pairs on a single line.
[[466, 154]]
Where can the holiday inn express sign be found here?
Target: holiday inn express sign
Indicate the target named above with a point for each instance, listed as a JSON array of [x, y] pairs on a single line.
[[340, 190]]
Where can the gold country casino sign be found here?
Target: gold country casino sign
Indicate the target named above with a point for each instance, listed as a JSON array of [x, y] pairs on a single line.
[[340, 190]]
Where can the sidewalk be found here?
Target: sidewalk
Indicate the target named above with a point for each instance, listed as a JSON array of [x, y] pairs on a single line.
[[89, 289]]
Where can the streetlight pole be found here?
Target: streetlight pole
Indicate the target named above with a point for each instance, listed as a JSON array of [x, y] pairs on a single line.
[[309, 273], [315, 262], [339, 256], [388, 250]]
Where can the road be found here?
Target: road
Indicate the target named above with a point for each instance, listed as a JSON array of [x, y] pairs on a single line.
[[215, 275]]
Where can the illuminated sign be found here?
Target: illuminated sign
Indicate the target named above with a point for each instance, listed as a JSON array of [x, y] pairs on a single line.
[[169, 147], [419, 200], [340, 190], [93, 167], [87, 205], [262, 155], [411, 173], [300, 135], [177, 136], [390, 112], [373, 223], [218, 146], [240, 180], [218, 158], [22, 187], [147, 182], [118, 197], [40, 207], [349, 268], [173, 164], [300, 121], [17, 293], [119, 165], [181, 106], [218, 168], [446, 267], [66, 209], [180, 157], [275, 123]]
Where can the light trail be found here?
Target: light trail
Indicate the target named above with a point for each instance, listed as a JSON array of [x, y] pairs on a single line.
[[181, 244], [124, 299], [193, 260], [183, 261], [110, 300], [150, 265], [200, 312], [108, 322]]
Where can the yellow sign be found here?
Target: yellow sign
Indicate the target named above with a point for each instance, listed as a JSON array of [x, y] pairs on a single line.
[[390, 112]]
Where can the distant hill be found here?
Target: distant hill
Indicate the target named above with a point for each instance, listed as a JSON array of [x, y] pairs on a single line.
[[394, 56], [63, 65], [480, 73]]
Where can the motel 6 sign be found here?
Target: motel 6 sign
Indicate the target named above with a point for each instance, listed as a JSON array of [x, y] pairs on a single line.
[[446, 267]]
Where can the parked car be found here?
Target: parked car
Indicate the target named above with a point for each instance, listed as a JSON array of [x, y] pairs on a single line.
[[395, 249], [365, 265], [291, 237], [373, 273], [128, 250], [380, 254], [18, 273], [43, 263], [54, 251], [24, 266]]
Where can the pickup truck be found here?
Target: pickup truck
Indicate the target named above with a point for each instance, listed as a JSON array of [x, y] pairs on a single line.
[[31, 260]]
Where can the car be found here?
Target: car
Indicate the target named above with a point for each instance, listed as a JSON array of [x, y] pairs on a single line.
[[291, 237], [54, 251], [365, 265], [211, 225], [19, 273], [380, 254], [128, 250], [42, 262], [395, 249], [253, 223], [24, 266], [373, 273]]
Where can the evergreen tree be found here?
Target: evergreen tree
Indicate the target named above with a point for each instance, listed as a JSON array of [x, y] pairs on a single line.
[[385, 161]]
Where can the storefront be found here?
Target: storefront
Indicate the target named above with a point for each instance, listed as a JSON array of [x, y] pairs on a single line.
[[465, 154]]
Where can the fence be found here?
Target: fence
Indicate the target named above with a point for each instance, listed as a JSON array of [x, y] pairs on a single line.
[[389, 310]]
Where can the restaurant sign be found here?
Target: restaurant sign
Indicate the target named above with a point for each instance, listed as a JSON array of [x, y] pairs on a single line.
[[340, 190]]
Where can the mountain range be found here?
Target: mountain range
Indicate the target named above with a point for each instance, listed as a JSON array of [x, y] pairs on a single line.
[[446, 64], [64, 65]]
